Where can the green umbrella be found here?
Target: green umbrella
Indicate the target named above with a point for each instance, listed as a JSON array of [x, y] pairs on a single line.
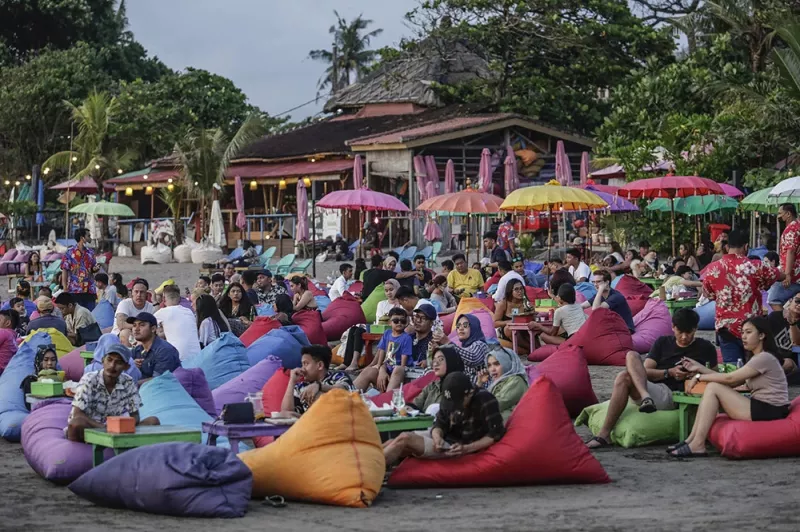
[[103, 208], [695, 205], [761, 201]]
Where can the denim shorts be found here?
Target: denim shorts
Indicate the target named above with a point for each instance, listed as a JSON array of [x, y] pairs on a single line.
[[778, 295]]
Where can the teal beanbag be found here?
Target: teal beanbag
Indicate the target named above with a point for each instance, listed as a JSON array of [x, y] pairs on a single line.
[[633, 429], [370, 305]]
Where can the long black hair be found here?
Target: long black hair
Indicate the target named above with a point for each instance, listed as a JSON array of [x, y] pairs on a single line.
[[207, 308], [509, 295], [284, 306], [226, 305], [761, 323]]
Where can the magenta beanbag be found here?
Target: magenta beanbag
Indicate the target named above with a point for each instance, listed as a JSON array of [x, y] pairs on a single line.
[[542, 353], [251, 381], [344, 312], [568, 370], [194, 382], [487, 326], [630, 286], [410, 390], [72, 364], [758, 439], [311, 323], [653, 322], [604, 338]]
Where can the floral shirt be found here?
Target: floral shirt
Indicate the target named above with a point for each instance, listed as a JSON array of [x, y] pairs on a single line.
[[79, 265], [268, 297], [333, 378], [505, 234], [735, 283], [93, 399], [790, 241]]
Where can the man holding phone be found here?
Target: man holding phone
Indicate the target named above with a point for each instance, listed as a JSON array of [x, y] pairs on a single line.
[[650, 383]]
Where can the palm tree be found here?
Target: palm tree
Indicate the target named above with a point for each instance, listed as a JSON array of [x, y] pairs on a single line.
[[349, 55], [788, 59], [91, 153]]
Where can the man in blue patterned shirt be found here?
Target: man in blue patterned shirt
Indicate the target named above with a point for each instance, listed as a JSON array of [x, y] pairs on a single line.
[[312, 379]]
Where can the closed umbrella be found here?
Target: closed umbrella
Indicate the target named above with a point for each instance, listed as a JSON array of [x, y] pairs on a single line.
[[584, 167], [485, 171], [433, 175], [302, 212], [40, 203], [432, 231], [358, 173], [563, 167], [241, 221], [422, 177], [216, 227], [450, 177]]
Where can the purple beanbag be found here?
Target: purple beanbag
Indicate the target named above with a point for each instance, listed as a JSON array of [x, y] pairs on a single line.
[[182, 479], [251, 381], [48, 452], [653, 322], [72, 364], [194, 381]]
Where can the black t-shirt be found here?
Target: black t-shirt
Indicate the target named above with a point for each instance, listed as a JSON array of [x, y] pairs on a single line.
[[617, 302], [498, 254], [373, 278], [667, 353], [780, 329]]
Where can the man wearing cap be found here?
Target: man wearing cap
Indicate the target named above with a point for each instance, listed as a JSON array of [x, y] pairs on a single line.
[[423, 318], [46, 319], [153, 356], [75, 316], [104, 393], [133, 305], [266, 290], [468, 421]]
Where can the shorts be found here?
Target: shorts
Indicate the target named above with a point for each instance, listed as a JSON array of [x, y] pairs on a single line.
[[661, 396], [761, 411], [778, 295], [430, 453]]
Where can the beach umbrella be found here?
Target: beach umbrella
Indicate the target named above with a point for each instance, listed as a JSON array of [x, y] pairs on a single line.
[[301, 234], [241, 220], [584, 167], [86, 185], [485, 171], [104, 208], [450, 177], [563, 167], [358, 173], [421, 172], [433, 175], [731, 191], [615, 203], [761, 201], [591, 185], [695, 205], [216, 227], [511, 173], [787, 188]]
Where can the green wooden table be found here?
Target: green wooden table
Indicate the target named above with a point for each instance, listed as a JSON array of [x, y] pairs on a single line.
[[652, 281], [687, 409], [100, 439], [545, 303], [404, 424], [88, 357], [675, 304]]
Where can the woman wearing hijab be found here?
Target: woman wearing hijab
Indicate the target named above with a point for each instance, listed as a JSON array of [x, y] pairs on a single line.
[[390, 289], [284, 308], [445, 361], [507, 379], [45, 359], [473, 350]]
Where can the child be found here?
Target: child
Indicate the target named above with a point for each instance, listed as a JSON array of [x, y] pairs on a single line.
[[387, 371], [568, 318], [18, 304], [312, 379]]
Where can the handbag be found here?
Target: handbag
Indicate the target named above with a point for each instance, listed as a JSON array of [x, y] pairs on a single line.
[[234, 413], [89, 333]]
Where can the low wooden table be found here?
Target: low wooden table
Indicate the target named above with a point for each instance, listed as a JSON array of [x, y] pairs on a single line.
[[241, 431], [369, 339], [675, 304], [687, 409], [403, 424], [88, 357], [99, 439], [652, 281]]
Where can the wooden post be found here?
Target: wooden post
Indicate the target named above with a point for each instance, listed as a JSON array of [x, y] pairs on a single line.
[[672, 212]]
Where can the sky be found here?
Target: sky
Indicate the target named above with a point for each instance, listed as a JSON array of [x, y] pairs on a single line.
[[262, 45]]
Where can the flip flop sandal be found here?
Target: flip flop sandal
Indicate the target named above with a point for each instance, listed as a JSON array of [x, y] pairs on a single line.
[[648, 406], [276, 501], [673, 447], [684, 451], [602, 442]]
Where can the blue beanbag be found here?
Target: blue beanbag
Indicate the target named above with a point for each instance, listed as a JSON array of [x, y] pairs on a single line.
[[284, 343], [12, 398], [322, 302], [587, 289], [221, 360], [182, 479], [100, 347], [706, 313], [104, 314], [265, 310]]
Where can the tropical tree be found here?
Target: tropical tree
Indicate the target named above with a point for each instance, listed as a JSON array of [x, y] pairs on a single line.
[[173, 197], [349, 55], [788, 59], [91, 152]]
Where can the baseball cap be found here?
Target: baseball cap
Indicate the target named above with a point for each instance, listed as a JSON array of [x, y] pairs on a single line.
[[44, 303], [120, 350], [454, 388], [143, 316], [265, 273], [427, 310]]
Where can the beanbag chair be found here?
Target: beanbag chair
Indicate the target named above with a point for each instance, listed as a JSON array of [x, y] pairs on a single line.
[[251, 381], [221, 360], [104, 314], [341, 314], [271, 397], [47, 451], [604, 337], [72, 364], [323, 301], [542, 353], [62, 343], [487, 302], [637, 303], [260, 326], [634, 429], [536, 293], [653, 322], [447, 322], [587, 289], [284, 343], [195, 383], [707, 315], [630, 286], [100, 347], [311, 323], [332, 455], [12, 398], [570, 373], [410, 390], [487, 326], [468, 304], [182, 479], [758, 439], [539, 447], [370, 304]]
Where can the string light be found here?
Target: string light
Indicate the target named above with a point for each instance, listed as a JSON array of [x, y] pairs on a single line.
[[119, 171], [97, 167], [144, 176], [16, 183], [7, 182], [313, 160], [74, 158], [46, 171], [28, 177], [196, 183], [169, 180], [129, 191]]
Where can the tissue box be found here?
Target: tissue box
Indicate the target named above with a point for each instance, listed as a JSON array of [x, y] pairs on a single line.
[[47, 389], [120, 425], [378, 329]]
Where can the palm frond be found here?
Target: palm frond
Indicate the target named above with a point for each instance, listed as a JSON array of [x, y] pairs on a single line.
[[253, 128], [60, 160]]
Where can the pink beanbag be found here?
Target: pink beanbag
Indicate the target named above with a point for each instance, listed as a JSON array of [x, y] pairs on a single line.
[[311, 323], [653, 322], [72, 364], [343, 313], [10, 255], [487, 326], [630, 286], [260, 326], [570, 373], [540, 447], [758, 439], [410, 390], [447, 322]]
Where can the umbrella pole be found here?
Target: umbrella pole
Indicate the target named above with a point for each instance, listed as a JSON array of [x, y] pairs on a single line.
[[361, 233], [672, 212], [549, 233], [469, 223]]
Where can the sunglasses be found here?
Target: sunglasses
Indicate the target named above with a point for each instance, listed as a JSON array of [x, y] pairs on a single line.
[[797, 301], [399, 321], [462, 326]]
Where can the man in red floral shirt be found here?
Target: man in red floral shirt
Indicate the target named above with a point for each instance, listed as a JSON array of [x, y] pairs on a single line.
[[782, 292], [735, 283], [77, 272], [506, 236]]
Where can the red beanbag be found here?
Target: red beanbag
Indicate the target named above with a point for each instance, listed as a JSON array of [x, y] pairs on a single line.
[[343, 313], [260, 327], [540, 447], [604, 337], [568, 370], [637, 303], [410, 390], [447, 322], [630, 286], [542, 353], [311, 323], [536, 293], [758, 439], [271, 398]]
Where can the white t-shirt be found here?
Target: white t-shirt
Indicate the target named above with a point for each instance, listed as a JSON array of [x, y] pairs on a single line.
[[209, 331], [570, 318], [503, 282], [581, 271], [339, 287], [180, 326], [127, 308]]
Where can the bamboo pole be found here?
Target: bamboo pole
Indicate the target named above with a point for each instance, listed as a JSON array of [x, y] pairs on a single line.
[[672, 212]]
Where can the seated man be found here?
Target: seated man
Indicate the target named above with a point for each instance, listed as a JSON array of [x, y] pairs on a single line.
[[650, 384], [76, 317], [104, 393], [312, 379], [464, 281], [468, 421], [503, 276], [785, 326], [342, 284], [609, 298], [153, 356], [567, 320], [46, 320], [394, 353]]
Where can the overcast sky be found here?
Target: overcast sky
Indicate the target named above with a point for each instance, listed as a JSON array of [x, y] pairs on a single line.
[[262, 45]]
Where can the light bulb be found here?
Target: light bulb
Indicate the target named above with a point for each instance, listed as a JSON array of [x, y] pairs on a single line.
[[119, 171], [7, 182], [16, 183], [46, 171], [74, 158], [144, 176], [97, 167], [28, 177], [170, 187], [196, 183]]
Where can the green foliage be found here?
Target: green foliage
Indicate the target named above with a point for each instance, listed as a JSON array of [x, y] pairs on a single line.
[[655, 228], [18, 208]]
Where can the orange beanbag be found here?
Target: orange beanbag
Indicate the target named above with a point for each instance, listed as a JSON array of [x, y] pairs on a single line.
[[569, 371], [311, 323], [332, 455], [260, 326], [758, 439], [540, 447]]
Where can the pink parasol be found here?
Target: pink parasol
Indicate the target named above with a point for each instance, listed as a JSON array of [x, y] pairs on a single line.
[[302, 212], [433, 175], [584, 167], [563, 167], [510, 173], [362, 199], [422, 176], [432, 231], [241, 221], [85, 185], [450, 177], [358, 173], [731, 191], [485, 171]]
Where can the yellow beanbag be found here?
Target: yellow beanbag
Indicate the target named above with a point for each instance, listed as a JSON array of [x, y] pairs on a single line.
[[332, 455], [62, 343], [468, 304]]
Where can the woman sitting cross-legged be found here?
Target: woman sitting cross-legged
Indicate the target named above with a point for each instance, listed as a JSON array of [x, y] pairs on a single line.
[[507, 378], [764, 377]]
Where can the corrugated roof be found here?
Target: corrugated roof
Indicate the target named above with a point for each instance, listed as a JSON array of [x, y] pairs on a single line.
[[405, 135], [138, 178], [289, 169]]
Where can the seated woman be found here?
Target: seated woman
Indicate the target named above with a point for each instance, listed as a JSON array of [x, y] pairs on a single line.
[[440, 295], [515, 301], [473, 349], [390, 288], [9, 321], [763, 375], [210, 321], [46, 359], [237, 308], [303, 297], [284, 308], [685, 280], [686, 252], [506, 377], [33, 269], [445, 362]]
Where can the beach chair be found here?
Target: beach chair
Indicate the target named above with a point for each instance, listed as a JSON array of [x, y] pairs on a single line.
[[426, 252], [284, 265], [399, 250], [265, 258], [436, 248], [301, 267], [408, 253]]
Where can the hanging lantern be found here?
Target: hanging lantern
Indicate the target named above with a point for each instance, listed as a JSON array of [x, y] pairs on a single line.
[[282, 184], [253, 185], [148, 190], [129, 191], [307, 182], [170, 187], [28, 177]]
